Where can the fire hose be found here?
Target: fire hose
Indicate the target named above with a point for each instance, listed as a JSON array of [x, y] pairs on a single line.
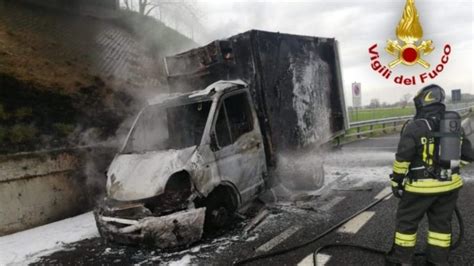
[[339, 224]]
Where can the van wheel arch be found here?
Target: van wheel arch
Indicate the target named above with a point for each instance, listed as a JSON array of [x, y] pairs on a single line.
[[179, 187], [179, 180]]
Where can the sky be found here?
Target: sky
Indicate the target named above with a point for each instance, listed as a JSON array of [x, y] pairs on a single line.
[[357, 25]]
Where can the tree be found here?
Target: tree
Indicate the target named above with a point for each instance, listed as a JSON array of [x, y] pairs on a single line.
[[144, 6], [405, 100], [180, 8], [177, 12], [374, 103]]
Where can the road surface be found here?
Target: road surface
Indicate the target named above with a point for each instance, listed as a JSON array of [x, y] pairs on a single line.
[[361, 169]]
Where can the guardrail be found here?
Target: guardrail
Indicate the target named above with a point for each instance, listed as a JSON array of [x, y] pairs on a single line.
[[391, 123]]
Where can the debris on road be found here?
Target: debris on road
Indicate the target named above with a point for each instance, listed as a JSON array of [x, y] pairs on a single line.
[[177, 229], [307, 196], [255, 221], [357, 188]]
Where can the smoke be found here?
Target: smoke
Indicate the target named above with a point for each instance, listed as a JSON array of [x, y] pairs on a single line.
[[350, 169], [360, 157], [300, 171], [128, 61], [94, 166], [317, 171]]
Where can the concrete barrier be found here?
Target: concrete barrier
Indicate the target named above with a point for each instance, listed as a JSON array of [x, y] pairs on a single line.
[[41, 187]]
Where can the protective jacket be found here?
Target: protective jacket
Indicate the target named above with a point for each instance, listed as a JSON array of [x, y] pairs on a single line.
[[417, 160]]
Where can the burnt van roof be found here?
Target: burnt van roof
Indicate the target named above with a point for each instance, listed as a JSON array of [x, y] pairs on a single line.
[[210, 90]]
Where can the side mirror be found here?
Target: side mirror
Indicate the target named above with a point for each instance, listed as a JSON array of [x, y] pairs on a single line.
[[213, 144]]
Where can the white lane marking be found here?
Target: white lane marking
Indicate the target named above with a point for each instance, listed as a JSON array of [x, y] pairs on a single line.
[[389, 197], [354, 225], [278, 239], [383, 192], [370, 148], [321, 259], [330, 204]]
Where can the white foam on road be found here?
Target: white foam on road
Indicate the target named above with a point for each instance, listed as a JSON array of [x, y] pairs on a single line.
[[321, 260], [27, 246], [368, 148], [278, 239], [359, 175], [354, 158], [354, 225], [186, 260], [330, 204]]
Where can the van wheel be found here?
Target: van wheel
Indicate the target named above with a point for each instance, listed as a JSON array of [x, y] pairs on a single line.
[[218, 217], [219, 209]]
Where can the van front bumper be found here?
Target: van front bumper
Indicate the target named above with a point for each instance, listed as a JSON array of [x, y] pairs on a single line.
[[181, 228]]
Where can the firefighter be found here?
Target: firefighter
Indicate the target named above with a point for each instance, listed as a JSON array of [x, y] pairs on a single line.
[[424, 183]]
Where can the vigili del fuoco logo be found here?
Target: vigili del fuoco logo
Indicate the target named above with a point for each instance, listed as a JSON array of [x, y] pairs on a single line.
[[409, 50]]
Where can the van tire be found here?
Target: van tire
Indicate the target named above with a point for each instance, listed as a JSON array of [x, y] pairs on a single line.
[[220, 207]]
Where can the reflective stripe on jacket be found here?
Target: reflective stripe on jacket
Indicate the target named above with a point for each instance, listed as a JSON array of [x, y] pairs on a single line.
[[433, 186]]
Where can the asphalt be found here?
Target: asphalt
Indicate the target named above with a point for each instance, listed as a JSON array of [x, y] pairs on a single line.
[[360, 181]]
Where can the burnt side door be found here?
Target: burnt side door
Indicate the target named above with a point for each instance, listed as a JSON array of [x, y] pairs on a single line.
[[238, 148]]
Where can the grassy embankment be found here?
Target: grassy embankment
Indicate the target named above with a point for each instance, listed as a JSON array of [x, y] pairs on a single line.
[[54, 96], [378, 113]]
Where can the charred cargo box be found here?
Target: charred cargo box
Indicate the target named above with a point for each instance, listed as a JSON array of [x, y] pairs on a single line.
[[295, 83]]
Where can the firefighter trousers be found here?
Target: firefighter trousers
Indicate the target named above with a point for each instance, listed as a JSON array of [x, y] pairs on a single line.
[[411, 209]]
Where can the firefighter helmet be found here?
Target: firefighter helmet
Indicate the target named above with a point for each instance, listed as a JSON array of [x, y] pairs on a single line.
[[429, 95]]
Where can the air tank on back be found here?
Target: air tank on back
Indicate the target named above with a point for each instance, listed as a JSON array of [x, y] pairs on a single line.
[[450, 141]]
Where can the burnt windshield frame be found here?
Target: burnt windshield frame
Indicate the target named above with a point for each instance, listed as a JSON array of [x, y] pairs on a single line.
[[177, 102]]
